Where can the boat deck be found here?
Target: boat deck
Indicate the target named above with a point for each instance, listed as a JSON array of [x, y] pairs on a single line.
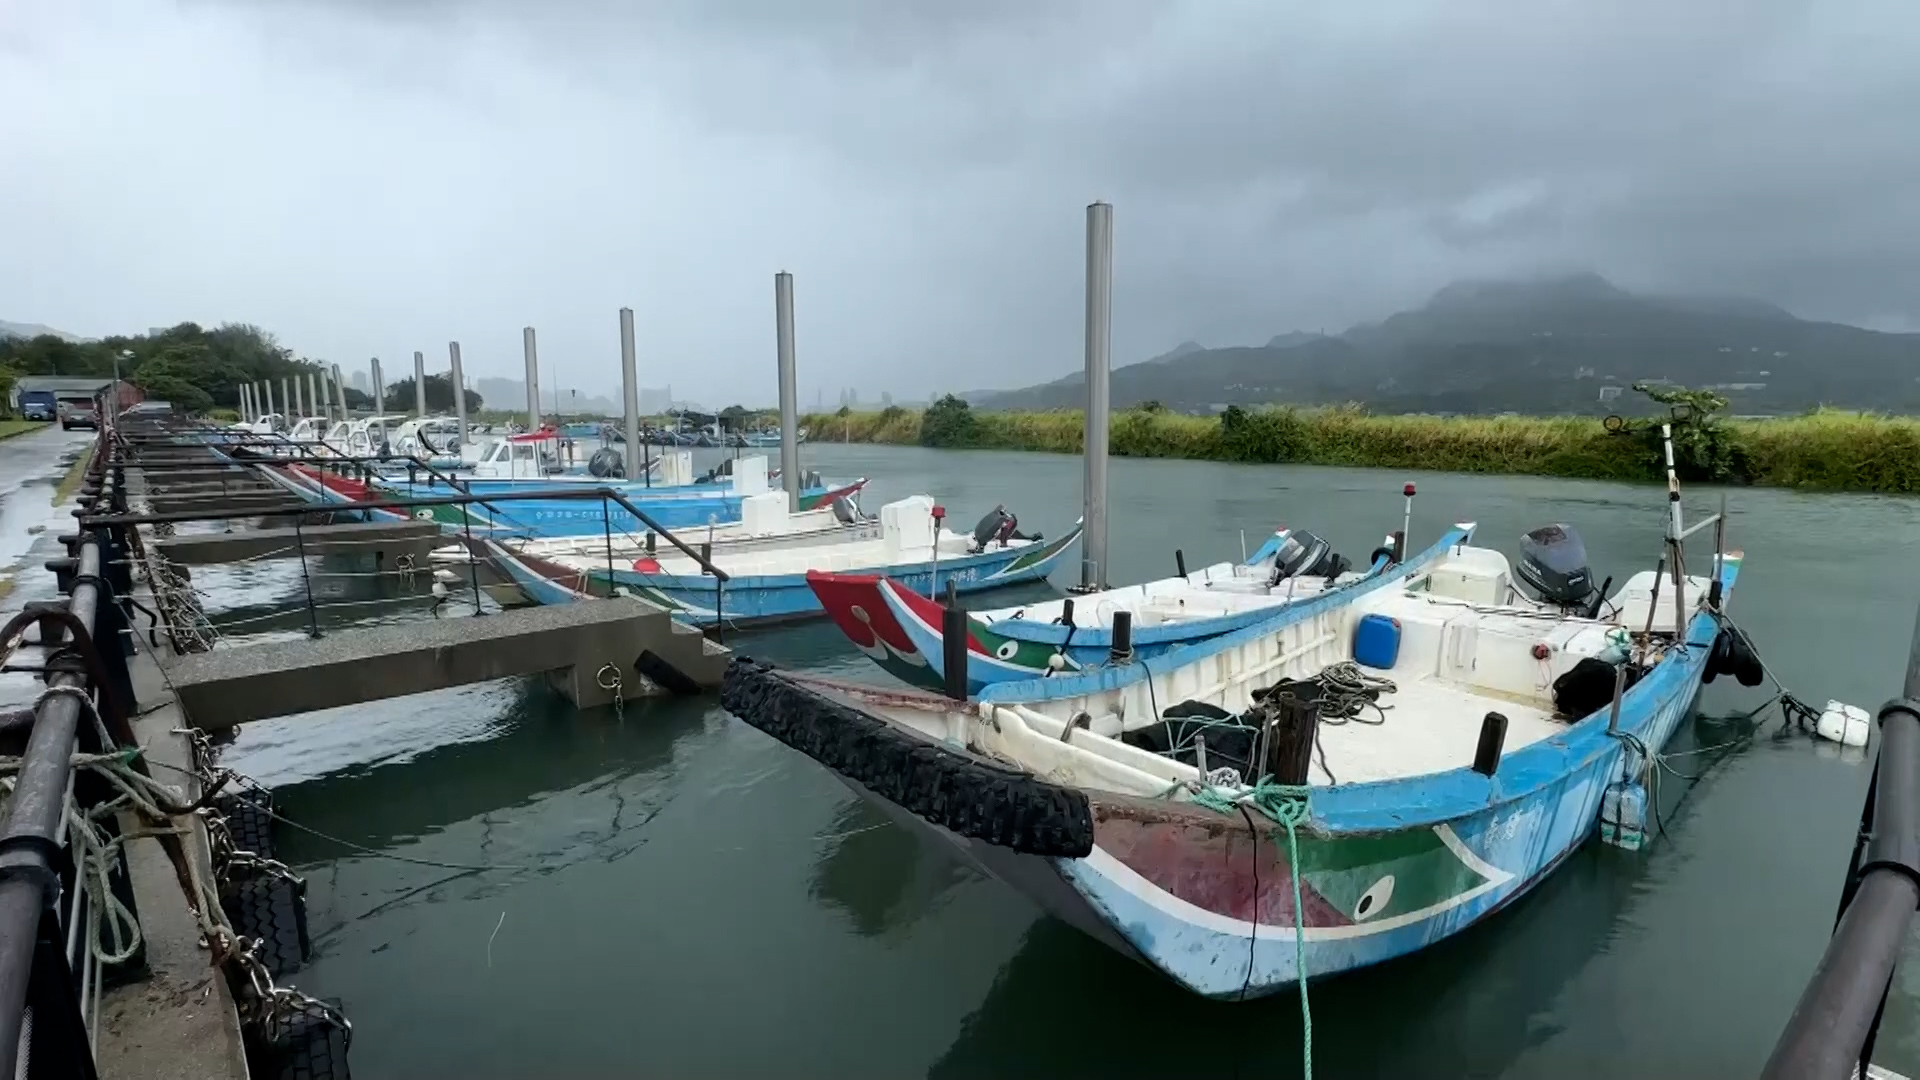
[[1207, 593], [1430, 726]]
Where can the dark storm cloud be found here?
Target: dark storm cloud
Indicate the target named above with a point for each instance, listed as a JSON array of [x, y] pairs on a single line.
[[371, 178]]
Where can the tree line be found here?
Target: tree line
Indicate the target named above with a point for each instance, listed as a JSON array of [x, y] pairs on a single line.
[[193, 367]]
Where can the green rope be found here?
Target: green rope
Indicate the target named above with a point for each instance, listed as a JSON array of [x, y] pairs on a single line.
[[1288, 804]]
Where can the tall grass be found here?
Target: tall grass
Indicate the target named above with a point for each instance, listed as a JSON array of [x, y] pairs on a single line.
[[1826, 450]]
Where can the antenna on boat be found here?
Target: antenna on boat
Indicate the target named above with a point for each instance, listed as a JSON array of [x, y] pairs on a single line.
[[933, 579], [1406, 526], [1675, 536]]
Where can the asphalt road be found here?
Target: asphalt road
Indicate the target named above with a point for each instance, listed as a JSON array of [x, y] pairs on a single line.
[[30, 469]]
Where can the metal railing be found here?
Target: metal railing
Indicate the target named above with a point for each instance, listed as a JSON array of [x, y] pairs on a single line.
[[44, 1030], [1833, 1028], [606, 496]]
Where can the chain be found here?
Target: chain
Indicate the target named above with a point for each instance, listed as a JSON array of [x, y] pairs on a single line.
[[264, 1002], [179, 606], [609, 679], [405, 568], [272, 1006]]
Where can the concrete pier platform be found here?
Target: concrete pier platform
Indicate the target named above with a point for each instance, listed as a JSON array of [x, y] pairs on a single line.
[[178, 1021], [387, 539], [572, 642]]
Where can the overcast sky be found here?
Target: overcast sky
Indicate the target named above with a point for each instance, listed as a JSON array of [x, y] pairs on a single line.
[[370, 177]]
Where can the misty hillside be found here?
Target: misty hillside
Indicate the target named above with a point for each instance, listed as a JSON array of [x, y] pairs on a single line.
[[33, 330], [1539, 346]]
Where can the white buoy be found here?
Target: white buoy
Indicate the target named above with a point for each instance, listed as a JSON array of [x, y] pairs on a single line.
[[1845, 724]]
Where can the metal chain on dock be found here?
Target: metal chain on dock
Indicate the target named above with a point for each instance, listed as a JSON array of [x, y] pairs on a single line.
[[609, 678], [264, 1002], [179, 606]]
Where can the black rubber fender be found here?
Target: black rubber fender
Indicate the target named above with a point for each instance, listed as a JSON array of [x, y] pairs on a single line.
[[1717, 654], [1744, 662], [956, 791], [271, 909], [249, 814], [311, 1047]]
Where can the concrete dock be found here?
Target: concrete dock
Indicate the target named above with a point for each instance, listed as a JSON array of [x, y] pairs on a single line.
[[386, 540], [169, 1013], [572, 643]]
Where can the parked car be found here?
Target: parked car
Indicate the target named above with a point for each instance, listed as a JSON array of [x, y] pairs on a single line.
[[75, 414], [38, 405]]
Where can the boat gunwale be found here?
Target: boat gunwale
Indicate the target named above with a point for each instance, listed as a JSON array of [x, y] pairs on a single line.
[[1383, 806]]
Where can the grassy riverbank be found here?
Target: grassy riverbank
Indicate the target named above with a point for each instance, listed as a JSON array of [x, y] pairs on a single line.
[[10, 428], [1825, 450]]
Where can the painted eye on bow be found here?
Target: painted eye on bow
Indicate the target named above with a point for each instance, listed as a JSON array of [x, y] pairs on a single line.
[[1374, 900], [1007, 650]]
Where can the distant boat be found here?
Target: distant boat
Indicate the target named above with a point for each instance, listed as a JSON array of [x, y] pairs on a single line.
[[770, 584], [901, 630]]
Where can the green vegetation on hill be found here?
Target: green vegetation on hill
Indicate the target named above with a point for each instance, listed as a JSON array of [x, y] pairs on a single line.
[[188, 365], [1826, 449]]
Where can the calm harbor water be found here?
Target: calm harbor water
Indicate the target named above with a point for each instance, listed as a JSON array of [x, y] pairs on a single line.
[[675, 894]]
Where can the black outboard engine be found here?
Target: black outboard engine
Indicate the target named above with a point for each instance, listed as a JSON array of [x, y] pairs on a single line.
[[1553, 563], [605, 462], [1302, 554], [844, 511], [989, 528], [998, 527]]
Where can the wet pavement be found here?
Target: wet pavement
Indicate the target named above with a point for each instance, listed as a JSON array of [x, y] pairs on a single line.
[[31, 467]]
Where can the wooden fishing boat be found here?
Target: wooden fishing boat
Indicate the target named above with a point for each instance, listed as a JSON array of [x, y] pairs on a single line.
[[765, 525], [1137, 801], [679, 502], [901, 630], [585, 520], [770, 585]]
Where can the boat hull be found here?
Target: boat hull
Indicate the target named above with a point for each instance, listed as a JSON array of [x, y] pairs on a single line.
[[757, 599], [1385, 868], [689, 507]]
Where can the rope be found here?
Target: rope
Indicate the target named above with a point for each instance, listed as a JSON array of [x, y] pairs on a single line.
[[1289, 805], [349, 844], [1347, 691]]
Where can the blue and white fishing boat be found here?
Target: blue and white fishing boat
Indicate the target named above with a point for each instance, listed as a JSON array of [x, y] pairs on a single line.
[[769, 584], [1355, 778], [675, 503], [902, 630]]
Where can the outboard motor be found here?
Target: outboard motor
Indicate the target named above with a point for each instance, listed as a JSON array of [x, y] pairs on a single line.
[[605, 462], [1302, 554], [844, 511], [1553, 564], [989, 528], [998, 527]]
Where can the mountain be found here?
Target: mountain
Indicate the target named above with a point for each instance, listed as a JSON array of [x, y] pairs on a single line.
[[511, 394], [1539, 346], [33, 330]]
